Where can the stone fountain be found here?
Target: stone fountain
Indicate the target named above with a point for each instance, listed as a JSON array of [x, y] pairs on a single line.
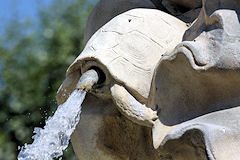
[[169, 81]]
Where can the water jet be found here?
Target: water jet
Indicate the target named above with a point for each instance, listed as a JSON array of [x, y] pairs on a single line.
[[50, 141]]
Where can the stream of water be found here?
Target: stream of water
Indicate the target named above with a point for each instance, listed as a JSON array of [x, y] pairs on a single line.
[[50, 141]]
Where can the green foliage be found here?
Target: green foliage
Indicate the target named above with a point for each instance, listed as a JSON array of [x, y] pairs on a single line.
[[33, 61]]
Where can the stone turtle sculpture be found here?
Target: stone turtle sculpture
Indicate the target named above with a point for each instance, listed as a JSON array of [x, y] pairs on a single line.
[[125, 51], [188, 76]]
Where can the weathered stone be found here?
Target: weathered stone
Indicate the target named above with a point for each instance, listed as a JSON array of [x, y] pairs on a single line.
[[178, 7], [148, 67], [188, 10], [105, 10], [127, 46], [202, 77], [124, 49], [226, 19]]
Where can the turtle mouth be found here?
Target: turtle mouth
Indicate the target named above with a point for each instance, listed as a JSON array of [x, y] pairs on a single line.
[[101, 75], [101, 88]]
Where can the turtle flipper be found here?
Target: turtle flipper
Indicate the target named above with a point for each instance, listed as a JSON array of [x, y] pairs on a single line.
[[131, 108]]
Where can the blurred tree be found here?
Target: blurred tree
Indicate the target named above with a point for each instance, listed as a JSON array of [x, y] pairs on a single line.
[[33, 61]]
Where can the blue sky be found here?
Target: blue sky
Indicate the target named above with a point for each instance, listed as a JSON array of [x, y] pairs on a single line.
[[22, 9]]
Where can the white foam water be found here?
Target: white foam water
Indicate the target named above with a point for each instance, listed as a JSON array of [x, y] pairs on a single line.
[[50, 141]]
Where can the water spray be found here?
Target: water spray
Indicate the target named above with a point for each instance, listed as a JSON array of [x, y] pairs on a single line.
[[50, 141]]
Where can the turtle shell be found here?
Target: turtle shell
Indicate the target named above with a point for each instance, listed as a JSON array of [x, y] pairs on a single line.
[[105, 10], [127, 50]]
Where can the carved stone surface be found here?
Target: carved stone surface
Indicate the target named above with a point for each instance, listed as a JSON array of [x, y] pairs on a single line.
[[128, 50], [167, 91], [105, 10]]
